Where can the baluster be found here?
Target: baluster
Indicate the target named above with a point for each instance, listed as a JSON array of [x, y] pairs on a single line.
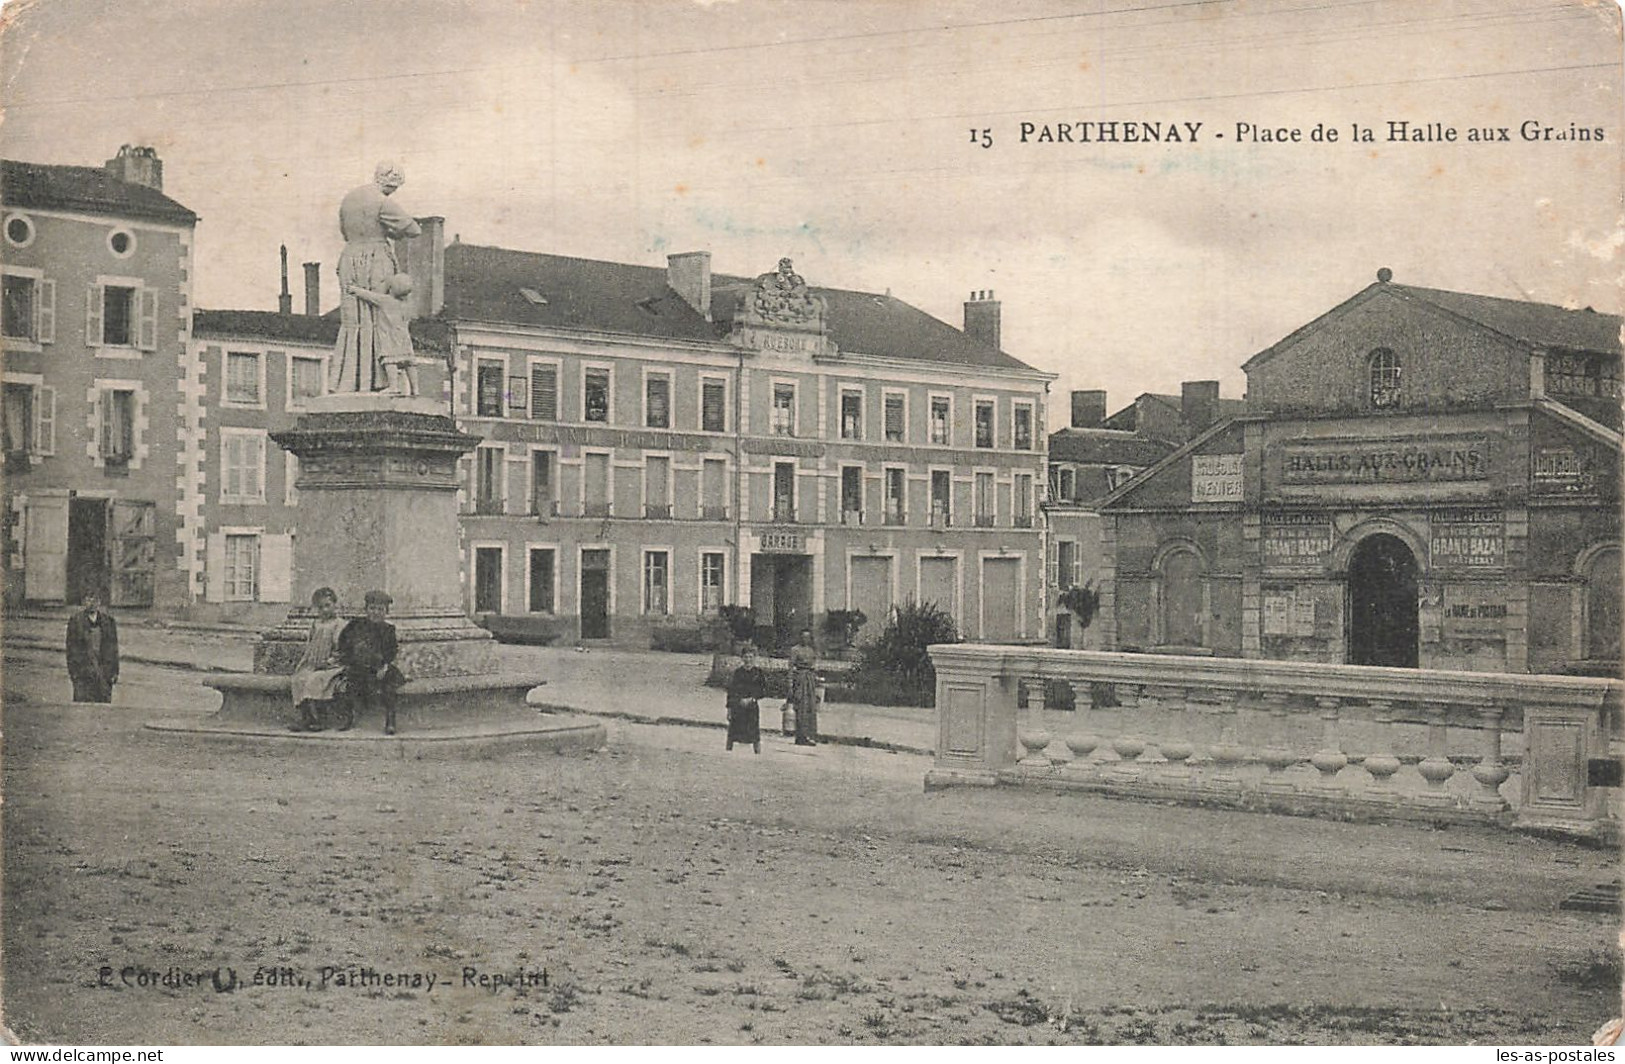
[[1176, 745], [1381, 762], [1278, 755], [1226, 753], [1127, 744], [1082, 739], [1035, 737], [1491, 771], [1329, 760], [1436, 768]]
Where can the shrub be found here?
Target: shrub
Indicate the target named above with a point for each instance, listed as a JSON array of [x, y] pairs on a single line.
[[741, 622], [842, 625], [1083, 601], [897, 662], [694, 637]]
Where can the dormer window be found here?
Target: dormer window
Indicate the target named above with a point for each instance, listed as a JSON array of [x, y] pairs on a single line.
[[1384, 368]]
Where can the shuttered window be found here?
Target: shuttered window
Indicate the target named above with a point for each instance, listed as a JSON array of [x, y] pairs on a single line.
[[713, 406], [657, 402], [544, 393], [488, 389], [894, 418]]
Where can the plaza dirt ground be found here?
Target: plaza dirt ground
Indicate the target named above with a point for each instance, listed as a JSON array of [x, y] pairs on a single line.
[[676, 893]]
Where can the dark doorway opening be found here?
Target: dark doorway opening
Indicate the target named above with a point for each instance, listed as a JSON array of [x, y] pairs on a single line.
[[487, 580], [781, 593], [1382, 594], [595, 594], [88, 568]]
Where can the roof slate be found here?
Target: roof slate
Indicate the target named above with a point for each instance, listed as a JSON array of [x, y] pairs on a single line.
[[428, 334], [1105, 447], [1540, 324], [484, 284], [48, 186]]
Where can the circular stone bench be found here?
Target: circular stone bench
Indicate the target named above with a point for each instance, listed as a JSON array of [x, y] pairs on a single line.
[[432, 704]]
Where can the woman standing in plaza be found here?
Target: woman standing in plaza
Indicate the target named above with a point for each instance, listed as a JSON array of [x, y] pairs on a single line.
[[804, 688]]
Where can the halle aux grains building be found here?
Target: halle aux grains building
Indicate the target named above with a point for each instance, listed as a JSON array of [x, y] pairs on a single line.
[[658, 443], [1422, 478], [99, 390]]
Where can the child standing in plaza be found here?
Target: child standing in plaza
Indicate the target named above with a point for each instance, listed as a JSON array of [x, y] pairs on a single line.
[[745, 689]]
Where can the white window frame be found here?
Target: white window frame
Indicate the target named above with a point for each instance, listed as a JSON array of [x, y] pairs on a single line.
[[982, 558], [891, 393], [501, 362], [133, 349], [993, 435], [42, 414], [530, 561], [37, 336], [976, 513], [557, 365], [930, 495], [609, 392], [643, 483], [530, 485], [291, 399], [1032, 423], [842, 392], [501, 450], [501, 547], [643, 579], [1016, 476], [840, 492], [610, 607], [699, 580], [727, 482], [129, 249], [671, 399], [885, 552], [33, 230], [886, 472], [796, 516], [259, 358], [795, 405], [948, 438], [727, 397], [609, 482], [228, 497], [241, 533]]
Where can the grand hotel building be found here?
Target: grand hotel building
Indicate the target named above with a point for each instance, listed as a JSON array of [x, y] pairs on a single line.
[[658, 443]]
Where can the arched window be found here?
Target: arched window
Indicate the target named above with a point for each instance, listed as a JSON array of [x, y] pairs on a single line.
[[1384, 366], [1602, 613]]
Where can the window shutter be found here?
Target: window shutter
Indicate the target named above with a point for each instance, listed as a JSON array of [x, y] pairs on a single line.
[[513, 497], [544, 393], [1055, 568], [108, 443], [254, 467], [1077, 568], [276, 568], [45, 315], [148, 336], [712, 414], [214, 568], [45, 420], [658, 403], [93, 316], [894, 418]]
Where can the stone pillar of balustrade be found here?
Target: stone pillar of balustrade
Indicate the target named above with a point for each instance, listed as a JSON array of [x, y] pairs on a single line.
[[1437, 768], [1173, 735], [1279, 755], [1329, 760], [1084, 738], [1380, 763], [1134, 701], [1226, 752], [976, 715], [1491, 771], [1034, 734]]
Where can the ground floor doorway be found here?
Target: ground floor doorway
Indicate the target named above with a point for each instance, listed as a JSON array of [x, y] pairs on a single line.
[[88, 562], [1382, 596], [781, 589], [595, 594]]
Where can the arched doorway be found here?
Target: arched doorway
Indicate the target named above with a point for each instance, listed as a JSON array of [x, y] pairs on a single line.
[[1382, 603], [1602, 606]]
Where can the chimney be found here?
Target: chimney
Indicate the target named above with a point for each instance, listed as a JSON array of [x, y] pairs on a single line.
[[1198, 405], [982, 319], [313, 289], [689, 275], [138, 166], [423, 258], [284, 301], [1089, 409]]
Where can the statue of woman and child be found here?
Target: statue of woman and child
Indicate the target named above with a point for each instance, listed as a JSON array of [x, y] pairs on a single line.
[[374, 349]]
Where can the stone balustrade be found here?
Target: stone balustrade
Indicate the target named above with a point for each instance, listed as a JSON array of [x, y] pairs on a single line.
[[1338, 740]]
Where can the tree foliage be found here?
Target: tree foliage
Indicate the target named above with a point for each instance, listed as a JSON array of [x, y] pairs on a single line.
[[897, 661]]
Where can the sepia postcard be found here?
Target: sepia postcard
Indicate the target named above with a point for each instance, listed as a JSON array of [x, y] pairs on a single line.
[[525, 522]]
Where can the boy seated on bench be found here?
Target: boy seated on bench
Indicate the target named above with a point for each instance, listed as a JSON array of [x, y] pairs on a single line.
[[367, 648]]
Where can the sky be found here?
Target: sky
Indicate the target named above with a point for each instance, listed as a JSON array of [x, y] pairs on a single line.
[[839, 133]]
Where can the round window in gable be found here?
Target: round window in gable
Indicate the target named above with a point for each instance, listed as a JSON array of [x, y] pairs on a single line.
[[121, 242], [19, 230]]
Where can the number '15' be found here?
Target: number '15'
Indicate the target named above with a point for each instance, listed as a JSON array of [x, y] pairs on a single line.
[[984, 137]]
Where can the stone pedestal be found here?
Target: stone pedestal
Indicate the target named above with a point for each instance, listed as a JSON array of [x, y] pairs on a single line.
[[378, 510]]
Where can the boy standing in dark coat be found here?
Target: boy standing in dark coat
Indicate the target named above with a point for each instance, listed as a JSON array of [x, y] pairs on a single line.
[[367, 649]]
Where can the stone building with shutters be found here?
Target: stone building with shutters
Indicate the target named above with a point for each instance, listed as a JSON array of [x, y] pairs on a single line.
[[256, 371], [1421, 478], [100, 392], [659, 443]]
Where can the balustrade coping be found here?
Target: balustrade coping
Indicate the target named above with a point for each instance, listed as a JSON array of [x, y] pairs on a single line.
[[1484, 690]]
